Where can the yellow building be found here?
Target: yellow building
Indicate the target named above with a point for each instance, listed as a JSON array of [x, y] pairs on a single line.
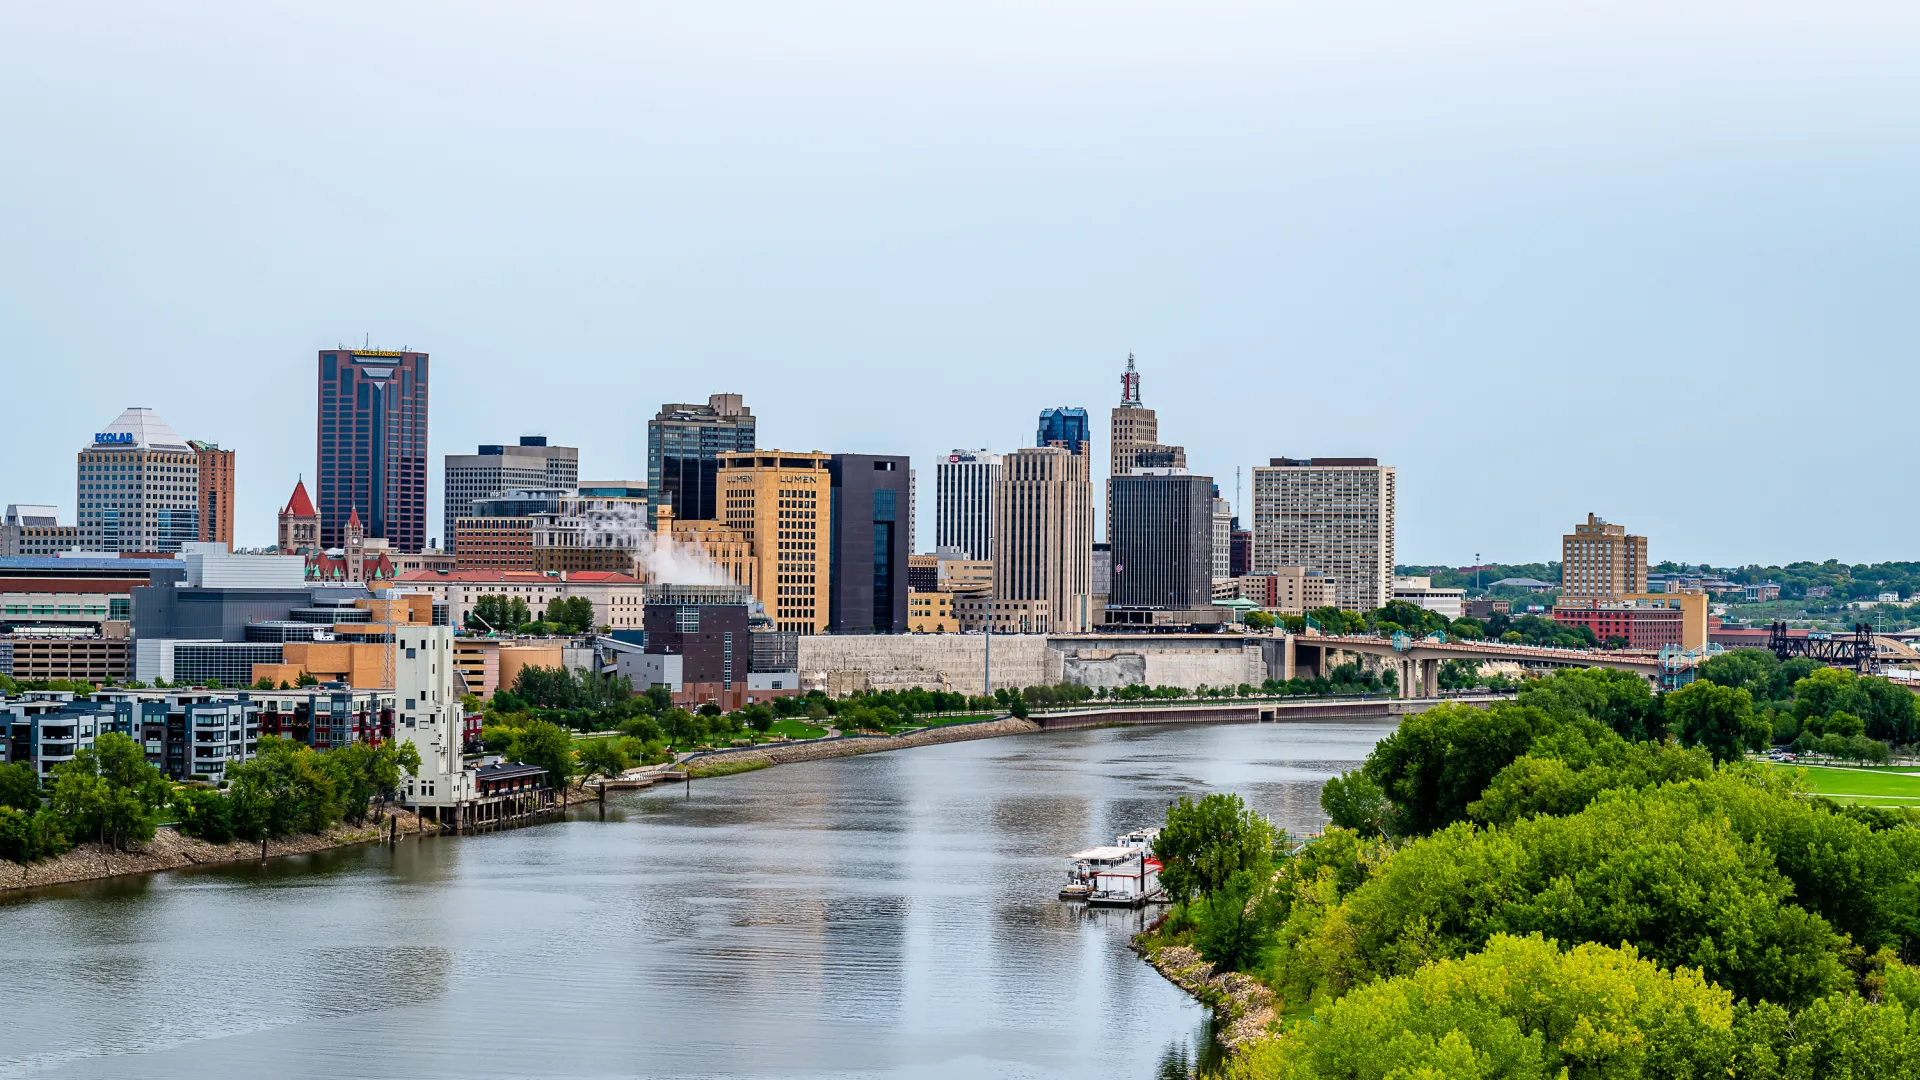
[[727, 547], [966, 575], [931, 612], [781, 503], [360, 653]]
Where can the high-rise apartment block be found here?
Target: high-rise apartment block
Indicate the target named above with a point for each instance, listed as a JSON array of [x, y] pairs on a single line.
[[372, 445], [1162, 544], [1598, 559], [216, 492], [138, 487], [963, 492], [684, 446], [1332, 516], [782, 502], [529, 466], [1222, 536], [867, 558], [1043, 539], [1064, 427]]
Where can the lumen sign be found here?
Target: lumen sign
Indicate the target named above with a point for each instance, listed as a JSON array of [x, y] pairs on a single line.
[[108, 438]]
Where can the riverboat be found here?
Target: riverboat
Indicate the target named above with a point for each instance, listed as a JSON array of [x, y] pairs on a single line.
[[1123, 874]]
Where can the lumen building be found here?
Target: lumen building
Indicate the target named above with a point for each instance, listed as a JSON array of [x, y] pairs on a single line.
[[684, 446], [138, 487], [1332, 516], [372, 445]]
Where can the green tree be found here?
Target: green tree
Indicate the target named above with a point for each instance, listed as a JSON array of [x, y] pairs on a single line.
[[1257, 620], [1234, 923], [109, 791], [284, 788], [1718, 718], [1439, 760], [603, 757], [1205, 843], [20, 787], [205, 813], [1354, 801], [548, 746], [1618, 699]]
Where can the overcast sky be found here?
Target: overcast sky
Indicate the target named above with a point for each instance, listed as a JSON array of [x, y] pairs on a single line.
[[1651, 260]]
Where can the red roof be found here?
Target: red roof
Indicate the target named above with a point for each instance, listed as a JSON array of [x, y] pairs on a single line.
[[576, 577], [353, 516], [299, 505]]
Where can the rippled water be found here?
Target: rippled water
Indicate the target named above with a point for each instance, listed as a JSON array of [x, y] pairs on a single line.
[[887, 915]]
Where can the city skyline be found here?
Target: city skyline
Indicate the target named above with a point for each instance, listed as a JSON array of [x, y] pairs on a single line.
[[1324, 232]]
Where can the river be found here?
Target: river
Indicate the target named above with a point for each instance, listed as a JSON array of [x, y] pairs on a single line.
[[878, 916]]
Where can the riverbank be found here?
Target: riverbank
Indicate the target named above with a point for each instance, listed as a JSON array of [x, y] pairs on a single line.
[[1240, 1001], [169, 850]]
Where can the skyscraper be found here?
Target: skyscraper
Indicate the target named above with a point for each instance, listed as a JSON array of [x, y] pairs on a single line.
[[1599, 559], [1162, 543], [138, 487], [1135, 429], [1333, 516], [963, 492], [1043, 536], [531, 465], [216, 492], [1066, 427], [867, 557], [372, 445], [1222, 535], [684, 445], [782, 502]]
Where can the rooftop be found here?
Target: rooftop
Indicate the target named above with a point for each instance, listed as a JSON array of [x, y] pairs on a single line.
[[140, 428]]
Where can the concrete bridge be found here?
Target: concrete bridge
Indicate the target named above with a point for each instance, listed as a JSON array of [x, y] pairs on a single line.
[[1247, 712], [1418, 665]]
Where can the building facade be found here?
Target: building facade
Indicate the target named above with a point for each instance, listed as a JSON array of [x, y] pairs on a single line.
[[685, 444], [299, 525], [1064, 427], [1333, 516], [930, 611], [1599, 559], [138, 487], [1421, 592], [782, 502], [372, 445], [496, 531], [1134, 428], [1162, 542], [712, 642], [215, 495], [34, 532], [963, 496], [867, 553], [531, 465], [1222, 536], [1043, 538]]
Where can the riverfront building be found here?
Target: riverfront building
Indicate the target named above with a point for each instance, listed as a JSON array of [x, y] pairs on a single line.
[[1331, 516], [372, 445], [685, 445], [867, 557], [1043, 541], [963, 493], [138, 487], [531, 465], [782, 503], [1598, 559]]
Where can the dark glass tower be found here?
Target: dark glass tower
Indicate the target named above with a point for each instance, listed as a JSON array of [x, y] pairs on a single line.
[[684, 444], [372, 445], [1067, 427], [867, 558]]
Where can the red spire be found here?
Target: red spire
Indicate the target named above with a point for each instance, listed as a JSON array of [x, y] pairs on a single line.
[[299, 505], [353, 518]]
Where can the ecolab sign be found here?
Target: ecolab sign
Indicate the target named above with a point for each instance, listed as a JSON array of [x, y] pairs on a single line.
[[108, 437]]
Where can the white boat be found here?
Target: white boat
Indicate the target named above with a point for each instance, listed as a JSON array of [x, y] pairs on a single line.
[[1124, 874]]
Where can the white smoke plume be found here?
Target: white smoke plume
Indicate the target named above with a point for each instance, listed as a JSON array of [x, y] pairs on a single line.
[[671, 563]]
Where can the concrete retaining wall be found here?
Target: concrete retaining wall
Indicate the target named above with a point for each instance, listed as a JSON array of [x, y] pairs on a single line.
[[859, 662]]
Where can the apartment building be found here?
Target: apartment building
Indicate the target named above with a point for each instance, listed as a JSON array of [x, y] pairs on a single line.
[[1330, 516], [1601, 559]]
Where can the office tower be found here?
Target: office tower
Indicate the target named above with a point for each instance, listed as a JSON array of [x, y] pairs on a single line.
[[530, 466], [299, 532], [1598, 559], [963, 494], [782, 502], [215, 495], [1222, 536], [1065, 427], [867, 556], [496, 532], [1162, 542], [1332, 516], [138, 487], [1240, 557], [373, 445], [684, 447], [1043, 538], [34, 531]]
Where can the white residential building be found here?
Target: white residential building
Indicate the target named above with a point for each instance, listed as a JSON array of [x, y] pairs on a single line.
[[428, 714], [1420, 592], [1333, 516]]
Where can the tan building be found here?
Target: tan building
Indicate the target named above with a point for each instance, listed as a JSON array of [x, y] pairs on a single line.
[[1289, 590], [34, 531], [1333, 516], [357, 656], [618, 599], [1043, 537], [1598, 559], [931, 612], [493, 543], [37, 658], [299, 523], [216, 492], [781, 502], [724, 546], [966, 575], [488, 665], [596, 532]]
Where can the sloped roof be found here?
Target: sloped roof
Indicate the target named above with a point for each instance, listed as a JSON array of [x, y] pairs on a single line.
[[298, 504], [148, 430]]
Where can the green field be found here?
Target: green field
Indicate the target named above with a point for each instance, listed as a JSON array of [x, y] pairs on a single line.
[[1871, 787], [943, 721], [796, 729]]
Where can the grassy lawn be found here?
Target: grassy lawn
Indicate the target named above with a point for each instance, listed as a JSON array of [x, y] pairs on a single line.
[[1873, 787], [796, 729], [724, 768], [943, 721]]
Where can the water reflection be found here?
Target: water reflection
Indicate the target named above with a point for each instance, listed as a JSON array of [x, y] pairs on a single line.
[[888, 915]]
